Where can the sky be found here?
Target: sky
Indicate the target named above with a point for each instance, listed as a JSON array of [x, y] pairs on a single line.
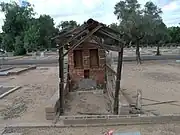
[[101, 10]]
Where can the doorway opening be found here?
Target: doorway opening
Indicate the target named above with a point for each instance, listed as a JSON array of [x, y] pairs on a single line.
[[86, 73]]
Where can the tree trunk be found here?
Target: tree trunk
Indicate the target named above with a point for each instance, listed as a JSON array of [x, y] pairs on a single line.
[[158, 51], [138, 57]]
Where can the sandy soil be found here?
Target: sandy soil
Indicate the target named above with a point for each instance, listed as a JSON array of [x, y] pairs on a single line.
[[158, 81], [167, 129], [85, 103], [28, 103]]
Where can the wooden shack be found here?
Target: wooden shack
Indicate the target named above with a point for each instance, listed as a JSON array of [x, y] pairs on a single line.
[[86, 55]]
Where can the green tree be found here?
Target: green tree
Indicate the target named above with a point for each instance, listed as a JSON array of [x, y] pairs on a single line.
[[174, 33], [68, 25], [31, 38], [132, 22], [20, 24], [47, 31], [158, 33], [16, 22], [115, 26], [7, 42], [140, 25], [19, 46]]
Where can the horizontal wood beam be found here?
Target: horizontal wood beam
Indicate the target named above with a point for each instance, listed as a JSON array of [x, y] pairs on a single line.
[[111, 36], [84, 39], [99, 43], [76, 36], [69, 32]]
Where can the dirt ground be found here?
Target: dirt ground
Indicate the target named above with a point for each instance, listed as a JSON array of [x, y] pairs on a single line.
[[158, 81], [79, 103], [28, 103], [166, 129]]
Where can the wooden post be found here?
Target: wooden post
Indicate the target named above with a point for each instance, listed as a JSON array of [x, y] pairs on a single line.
[[118, 78], [139, 100], [61, 81]]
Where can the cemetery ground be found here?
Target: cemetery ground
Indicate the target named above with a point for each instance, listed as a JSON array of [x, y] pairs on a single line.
[[128, 52], [159, 81]]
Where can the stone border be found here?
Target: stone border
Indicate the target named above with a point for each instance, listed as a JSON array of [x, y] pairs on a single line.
[[10, 91], [21, 71], [6, 72], [88, 92], [52, 107], [123, 121], [5, 69]]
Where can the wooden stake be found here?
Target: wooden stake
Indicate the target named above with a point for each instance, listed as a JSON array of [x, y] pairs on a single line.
[[61, 80], [118, 78], [139, 100]]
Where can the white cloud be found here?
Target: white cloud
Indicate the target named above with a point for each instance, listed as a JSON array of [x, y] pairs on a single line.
[[171, 6], [91, 3], [101, 10], [171, 13]]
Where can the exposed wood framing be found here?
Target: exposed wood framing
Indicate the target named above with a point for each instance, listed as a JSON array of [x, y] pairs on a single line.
[[83, 39], [99, 43], [61, 80], [90, 25], [85, 31], [118, 79], [65, 33], [110, 35], [76, 36]]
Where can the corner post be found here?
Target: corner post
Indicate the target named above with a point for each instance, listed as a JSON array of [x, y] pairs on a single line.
[[118, 79], [61, 81]]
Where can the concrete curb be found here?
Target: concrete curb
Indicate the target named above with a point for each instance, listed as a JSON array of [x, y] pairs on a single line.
[[115, 122], [2, 131], [10, 91], [7, 73], [135, 120], [19, 72], [2, 70]]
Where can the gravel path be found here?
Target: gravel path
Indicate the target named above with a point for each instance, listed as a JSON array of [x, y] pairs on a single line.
[[85, 103], [158, 81]]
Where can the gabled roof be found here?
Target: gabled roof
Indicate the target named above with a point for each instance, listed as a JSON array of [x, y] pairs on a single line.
[[91, 28]]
